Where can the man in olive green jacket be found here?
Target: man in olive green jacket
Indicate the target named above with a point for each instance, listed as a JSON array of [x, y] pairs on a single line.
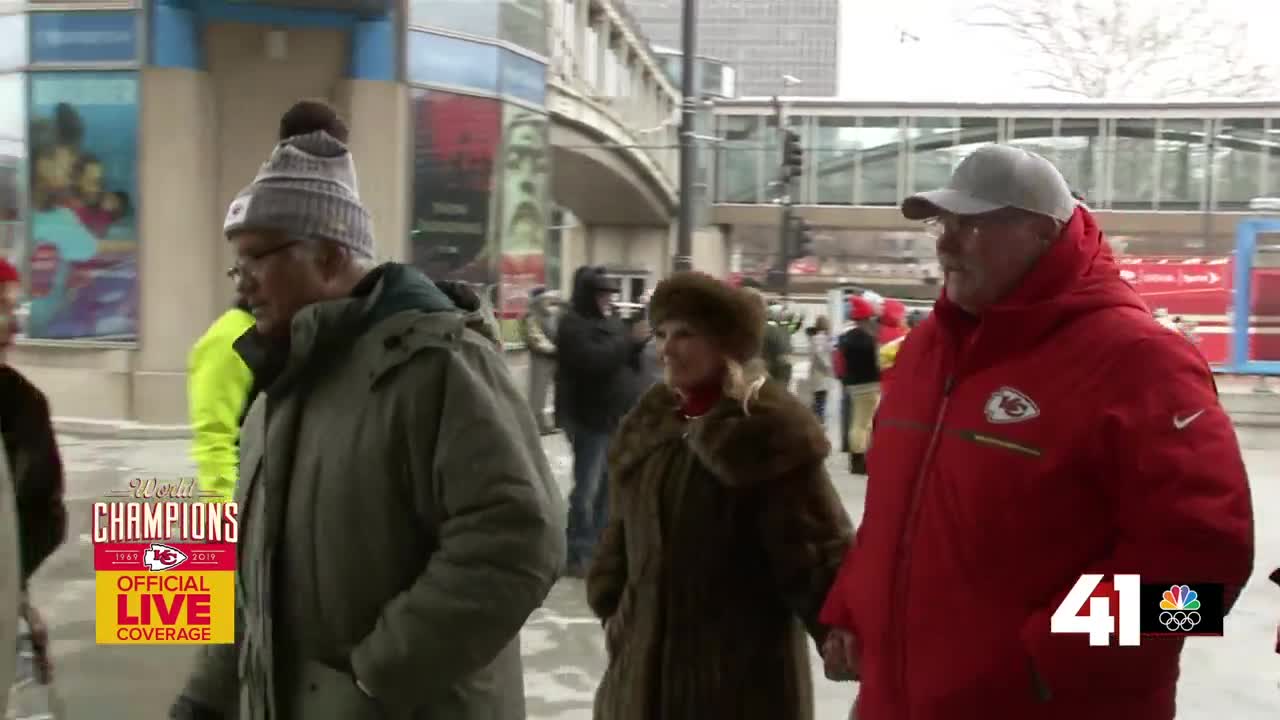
[[398, 519]]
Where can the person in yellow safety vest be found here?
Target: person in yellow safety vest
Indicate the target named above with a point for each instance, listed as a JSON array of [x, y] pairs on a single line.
[[218, 388], [888, 355]]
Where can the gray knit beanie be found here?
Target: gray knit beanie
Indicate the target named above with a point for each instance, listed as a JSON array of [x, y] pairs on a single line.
[[306, 189]]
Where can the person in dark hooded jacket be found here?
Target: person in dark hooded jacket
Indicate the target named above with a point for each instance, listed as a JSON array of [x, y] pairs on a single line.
[[594, 389]]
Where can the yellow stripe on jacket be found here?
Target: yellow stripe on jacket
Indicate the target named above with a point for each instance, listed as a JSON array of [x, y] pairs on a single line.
[[218, 382]]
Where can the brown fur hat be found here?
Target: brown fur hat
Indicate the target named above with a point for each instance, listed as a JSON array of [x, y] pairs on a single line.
[[734, 316]]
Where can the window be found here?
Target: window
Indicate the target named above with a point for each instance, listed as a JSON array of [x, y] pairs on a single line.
[[1272, 149], [738, 166], [1183, 164], [1079, 153], [931, 142], [474, 17], [13, 42], [524, 23], [1133, 164], [1238, 161], [877, 142], [451, 61], [835, 148]]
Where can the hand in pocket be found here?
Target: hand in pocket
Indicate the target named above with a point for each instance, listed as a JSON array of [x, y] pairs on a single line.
[[841, 656], [612, 635]]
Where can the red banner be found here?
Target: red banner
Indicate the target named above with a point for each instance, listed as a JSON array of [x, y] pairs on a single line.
[[1183, 285]]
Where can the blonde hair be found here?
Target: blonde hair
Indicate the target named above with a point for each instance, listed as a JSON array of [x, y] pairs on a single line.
[[743, 382]]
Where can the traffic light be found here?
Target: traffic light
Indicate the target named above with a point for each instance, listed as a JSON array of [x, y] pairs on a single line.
[[792, 155], [801, 245]]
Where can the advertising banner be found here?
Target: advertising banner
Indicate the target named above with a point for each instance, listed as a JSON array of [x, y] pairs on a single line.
[[525, 211], [1182, 285], [82, 263], [455, 140], [84, 37]]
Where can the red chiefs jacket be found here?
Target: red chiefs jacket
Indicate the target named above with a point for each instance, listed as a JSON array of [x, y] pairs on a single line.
[[1065, 432]]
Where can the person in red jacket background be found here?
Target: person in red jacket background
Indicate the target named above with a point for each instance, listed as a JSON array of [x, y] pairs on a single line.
[[893, 322], [1051, 428]]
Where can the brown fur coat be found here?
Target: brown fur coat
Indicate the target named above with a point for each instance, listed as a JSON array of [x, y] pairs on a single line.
[[725, 534]]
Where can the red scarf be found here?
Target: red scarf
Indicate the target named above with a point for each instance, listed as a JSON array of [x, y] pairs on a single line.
[[698, 401]]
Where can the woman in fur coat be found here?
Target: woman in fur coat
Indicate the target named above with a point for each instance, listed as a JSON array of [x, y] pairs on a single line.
[[724, 529]]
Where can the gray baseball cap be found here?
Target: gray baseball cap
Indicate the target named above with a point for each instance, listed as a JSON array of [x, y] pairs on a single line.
[[995, 177]]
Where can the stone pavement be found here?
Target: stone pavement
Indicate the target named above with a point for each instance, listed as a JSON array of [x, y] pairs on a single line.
[[1236, 676]]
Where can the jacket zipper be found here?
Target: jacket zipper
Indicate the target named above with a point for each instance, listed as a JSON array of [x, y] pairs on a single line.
[[905, 541]]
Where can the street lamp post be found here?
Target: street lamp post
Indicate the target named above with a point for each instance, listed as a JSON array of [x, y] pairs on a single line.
[[688, 130]]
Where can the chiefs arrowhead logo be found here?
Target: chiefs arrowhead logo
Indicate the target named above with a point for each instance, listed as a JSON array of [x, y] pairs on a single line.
[[1007, 405], [163, 557]]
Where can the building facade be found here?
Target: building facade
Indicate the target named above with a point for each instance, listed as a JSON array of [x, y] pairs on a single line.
[[127, 128], [761, 39]]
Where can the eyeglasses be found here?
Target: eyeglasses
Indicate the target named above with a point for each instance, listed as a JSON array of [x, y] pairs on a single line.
[[964, 226], [252, 264]]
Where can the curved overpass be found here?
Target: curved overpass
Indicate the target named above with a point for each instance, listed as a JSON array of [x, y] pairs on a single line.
[[603, 171]]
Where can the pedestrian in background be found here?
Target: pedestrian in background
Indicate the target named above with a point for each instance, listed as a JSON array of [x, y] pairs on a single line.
[[219, 385], [538, 330], [821, 372], [595, 387], [861, 379]]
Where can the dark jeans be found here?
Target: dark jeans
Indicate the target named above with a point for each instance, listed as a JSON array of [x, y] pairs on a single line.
[[846, 418], [589, 499], [820, 405]]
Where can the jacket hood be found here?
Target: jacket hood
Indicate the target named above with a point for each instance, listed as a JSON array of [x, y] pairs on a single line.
[[322, 331], [777, 437], [1077, 276], [587, 281]]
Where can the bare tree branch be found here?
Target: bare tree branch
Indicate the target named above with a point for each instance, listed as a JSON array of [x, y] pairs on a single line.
[[1132, 48]]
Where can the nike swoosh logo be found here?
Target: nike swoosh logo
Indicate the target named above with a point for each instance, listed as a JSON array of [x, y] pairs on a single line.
[[1180, 423]]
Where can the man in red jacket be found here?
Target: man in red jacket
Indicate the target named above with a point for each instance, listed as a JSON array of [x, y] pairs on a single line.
[[1051, 428]]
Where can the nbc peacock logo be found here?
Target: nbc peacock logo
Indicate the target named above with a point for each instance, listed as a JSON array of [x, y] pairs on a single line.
[[1178, 608]]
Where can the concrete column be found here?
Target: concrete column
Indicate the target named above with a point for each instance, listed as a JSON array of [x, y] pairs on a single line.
[[632, 246], [711, 251], [180, 274], [378, 116], [574, 253], [582, 12]]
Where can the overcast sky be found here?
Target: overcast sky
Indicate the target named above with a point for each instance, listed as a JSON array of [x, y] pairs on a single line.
[[948, 62]]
